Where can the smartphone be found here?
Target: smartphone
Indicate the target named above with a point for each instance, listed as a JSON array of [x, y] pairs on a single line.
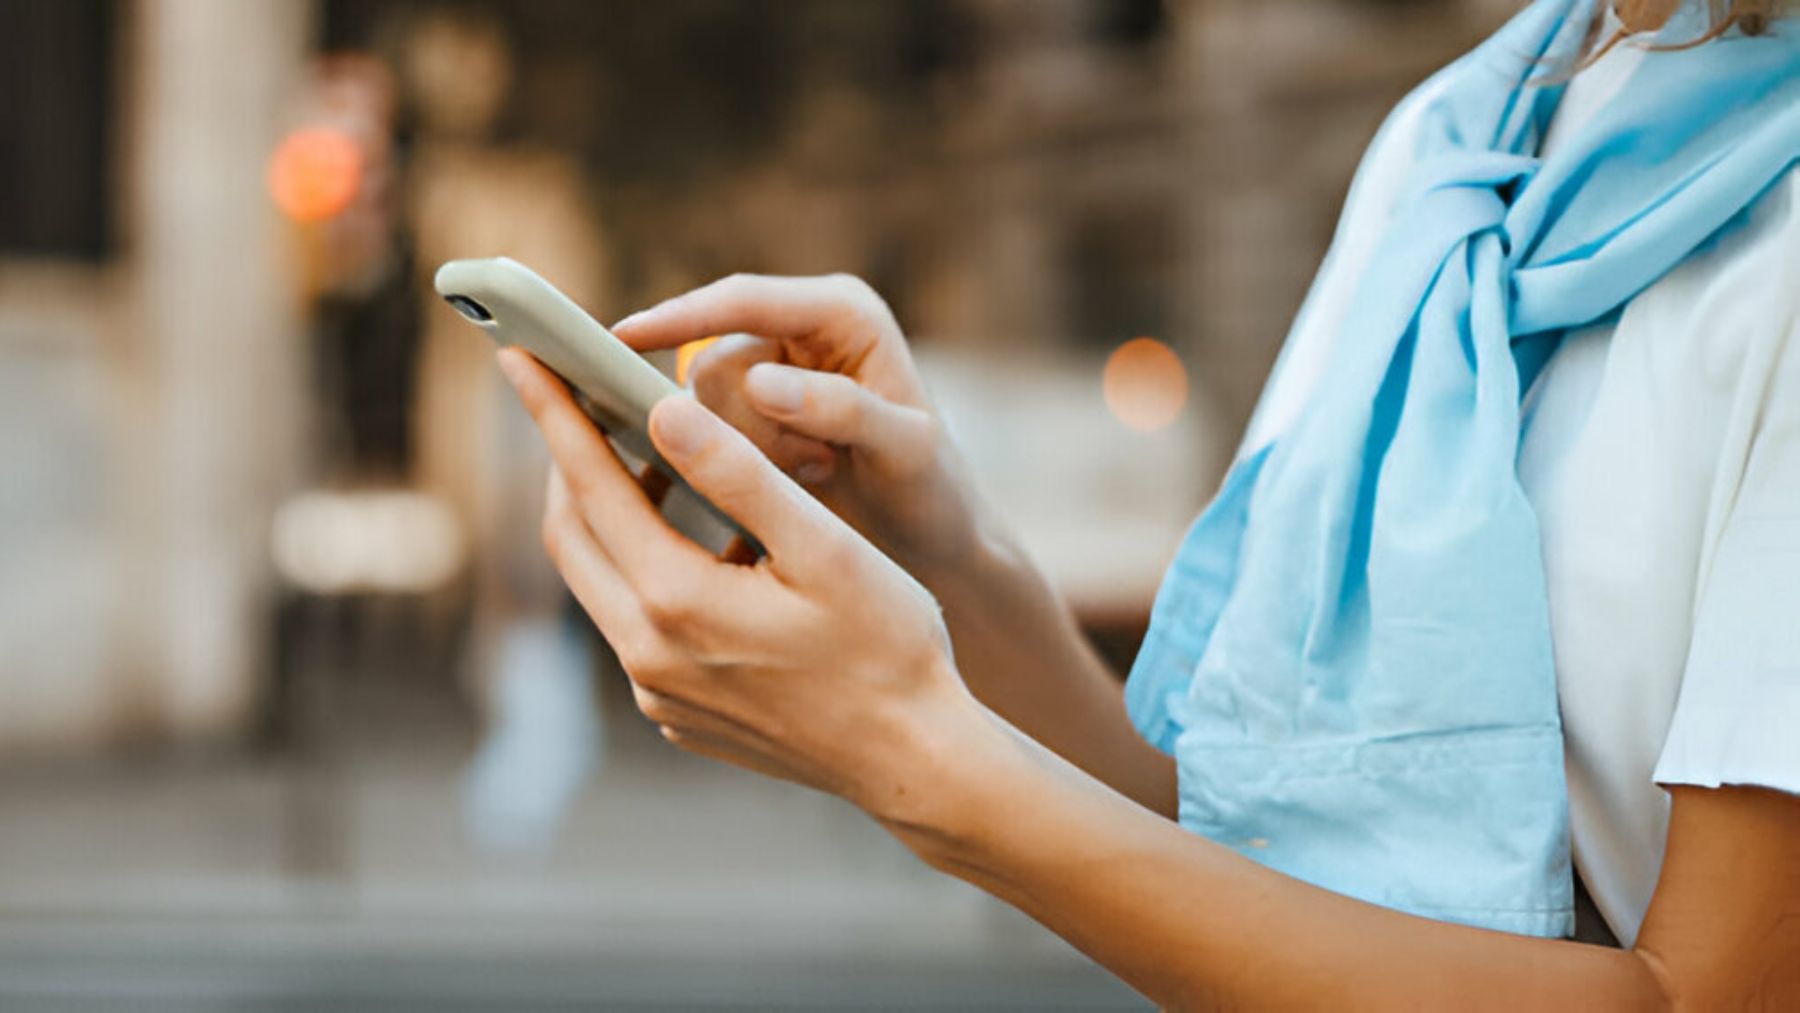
[[615, 385]]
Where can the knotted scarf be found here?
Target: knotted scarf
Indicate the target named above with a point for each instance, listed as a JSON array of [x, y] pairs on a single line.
[[1350, 658]]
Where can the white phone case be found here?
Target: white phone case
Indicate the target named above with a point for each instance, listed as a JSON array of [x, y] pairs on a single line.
[[515, 306]]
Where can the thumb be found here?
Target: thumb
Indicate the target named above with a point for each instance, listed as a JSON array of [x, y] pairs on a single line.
[[836, 409], [722, 465]]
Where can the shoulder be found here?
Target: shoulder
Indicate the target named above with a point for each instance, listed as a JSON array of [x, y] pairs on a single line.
[[1389, 158], [1375, 191]]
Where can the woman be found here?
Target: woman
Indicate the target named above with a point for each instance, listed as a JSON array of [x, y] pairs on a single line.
[[1525, 487]]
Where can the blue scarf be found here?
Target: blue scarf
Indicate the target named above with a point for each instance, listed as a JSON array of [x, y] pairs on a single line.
[[1350, 658]]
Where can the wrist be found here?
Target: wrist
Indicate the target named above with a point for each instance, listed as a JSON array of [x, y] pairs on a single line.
[[990, 568], [947, 776]]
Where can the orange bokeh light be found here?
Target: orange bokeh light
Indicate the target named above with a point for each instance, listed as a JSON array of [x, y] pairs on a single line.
[[1145, 384], [685, 356], [314, 174]]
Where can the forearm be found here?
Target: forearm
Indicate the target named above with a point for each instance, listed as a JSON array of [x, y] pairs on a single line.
[[1022, 654], [1195, 925]]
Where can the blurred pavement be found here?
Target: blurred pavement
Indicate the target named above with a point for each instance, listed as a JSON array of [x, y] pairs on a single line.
[[203, 883]]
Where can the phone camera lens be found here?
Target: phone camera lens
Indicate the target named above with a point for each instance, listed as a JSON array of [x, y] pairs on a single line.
[[470, 308]]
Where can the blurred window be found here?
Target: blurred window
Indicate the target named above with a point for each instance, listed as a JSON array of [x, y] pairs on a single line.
[[1126, 22], [1120, 269], [56, 75]]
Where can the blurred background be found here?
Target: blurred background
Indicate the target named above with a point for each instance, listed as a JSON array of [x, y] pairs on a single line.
[[295, 713]]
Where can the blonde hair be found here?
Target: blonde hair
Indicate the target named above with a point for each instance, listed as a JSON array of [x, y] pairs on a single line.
[[1752, 17]]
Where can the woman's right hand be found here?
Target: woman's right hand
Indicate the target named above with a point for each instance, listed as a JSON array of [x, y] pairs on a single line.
[[816, 372]]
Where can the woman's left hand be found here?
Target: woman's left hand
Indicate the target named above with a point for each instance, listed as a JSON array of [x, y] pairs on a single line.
[[824, 663]]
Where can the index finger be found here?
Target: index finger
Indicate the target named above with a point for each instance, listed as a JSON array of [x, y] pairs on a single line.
[[635, 536], [782, 309], [712, 608]]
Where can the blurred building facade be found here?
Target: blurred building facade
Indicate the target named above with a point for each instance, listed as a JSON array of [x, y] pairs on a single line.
[[1030, 184], [196, 380], [153, 420]]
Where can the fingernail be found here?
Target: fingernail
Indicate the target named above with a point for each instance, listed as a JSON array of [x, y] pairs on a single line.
[[628, 321], [777, 387], [681, 427], [813, 472]]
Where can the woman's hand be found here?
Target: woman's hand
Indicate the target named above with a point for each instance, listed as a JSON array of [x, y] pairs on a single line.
[[823, 664], [816, 373]]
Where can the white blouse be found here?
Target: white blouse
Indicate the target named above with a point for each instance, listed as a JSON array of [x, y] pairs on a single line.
[[1662, 455]]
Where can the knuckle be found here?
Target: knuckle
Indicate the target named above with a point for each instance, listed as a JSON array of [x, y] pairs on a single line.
[[556, 530], [839, 419], [669, 605], [926, 435], [649, 667], [578, 483], [911, 445], [842, 397], [743, 348], [657, 708], [850, 284], [735, 283], [866, 301], [841, 406], [729, 351], [588, 501]]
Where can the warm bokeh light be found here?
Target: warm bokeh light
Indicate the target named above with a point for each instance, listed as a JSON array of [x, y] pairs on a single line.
[[314, 174], [685, 356], [1145, 384]]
